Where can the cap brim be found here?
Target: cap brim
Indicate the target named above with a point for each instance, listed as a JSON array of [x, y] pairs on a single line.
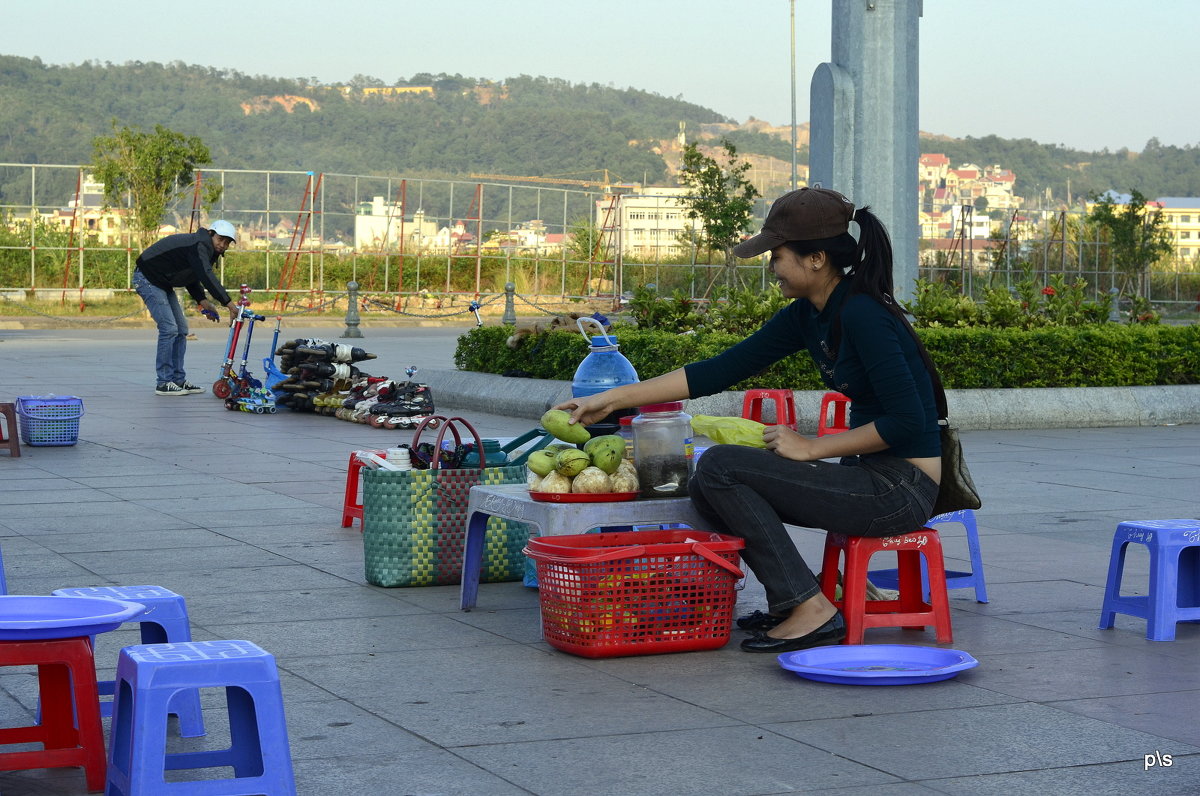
[[752, 247]]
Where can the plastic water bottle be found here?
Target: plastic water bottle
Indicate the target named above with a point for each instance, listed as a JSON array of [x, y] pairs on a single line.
[[602, 369]]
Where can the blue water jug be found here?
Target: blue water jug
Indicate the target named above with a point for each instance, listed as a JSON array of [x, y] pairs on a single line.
[[602, 369]]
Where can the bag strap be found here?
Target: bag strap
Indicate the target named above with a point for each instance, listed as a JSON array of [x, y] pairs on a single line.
[[939, 392], [448, 424]]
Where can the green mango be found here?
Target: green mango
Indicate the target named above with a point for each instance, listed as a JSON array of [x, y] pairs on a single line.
[[542, 462], [556, 422], [571, 462], [606, 452]]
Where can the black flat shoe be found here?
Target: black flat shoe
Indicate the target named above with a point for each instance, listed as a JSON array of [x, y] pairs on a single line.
[[759, 620], [831, 632]]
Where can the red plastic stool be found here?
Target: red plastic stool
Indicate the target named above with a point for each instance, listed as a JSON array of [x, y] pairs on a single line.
[[8, 437], [909, 610], [785, 406], [834, 417], [352, 505], [67, 690]]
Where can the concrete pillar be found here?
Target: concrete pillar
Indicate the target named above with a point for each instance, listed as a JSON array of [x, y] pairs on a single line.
[[863, 112]]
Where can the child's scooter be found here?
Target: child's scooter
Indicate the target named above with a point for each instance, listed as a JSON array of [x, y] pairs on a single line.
[[240, 390], [272, 375]]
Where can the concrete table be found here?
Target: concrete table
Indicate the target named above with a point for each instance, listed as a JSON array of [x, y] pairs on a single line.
[[512, 502]]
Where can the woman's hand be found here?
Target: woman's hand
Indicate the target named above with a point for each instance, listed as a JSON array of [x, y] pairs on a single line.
[[788, 444], [591, 409]]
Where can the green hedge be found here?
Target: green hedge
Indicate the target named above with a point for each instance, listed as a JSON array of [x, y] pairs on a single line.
[[1100, 355]]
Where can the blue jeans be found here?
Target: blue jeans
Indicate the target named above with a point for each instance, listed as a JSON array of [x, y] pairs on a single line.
[[751, 493], [172, 328]]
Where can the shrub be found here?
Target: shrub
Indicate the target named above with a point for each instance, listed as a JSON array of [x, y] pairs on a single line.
[[1108, 355]]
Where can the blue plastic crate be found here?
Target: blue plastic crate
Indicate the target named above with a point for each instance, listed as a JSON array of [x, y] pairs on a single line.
[[49, 419]]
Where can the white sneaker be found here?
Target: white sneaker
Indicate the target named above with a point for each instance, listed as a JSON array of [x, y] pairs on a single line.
[[169, 388], [190, 388]]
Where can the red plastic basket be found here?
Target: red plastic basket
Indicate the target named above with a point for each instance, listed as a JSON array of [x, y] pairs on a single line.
[[637, 592]]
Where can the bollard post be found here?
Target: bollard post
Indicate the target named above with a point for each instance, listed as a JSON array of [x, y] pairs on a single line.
[[352, 319], [510, 312], [1114, 309]]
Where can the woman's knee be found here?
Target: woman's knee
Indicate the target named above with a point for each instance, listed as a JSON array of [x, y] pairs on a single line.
[[722, 465]]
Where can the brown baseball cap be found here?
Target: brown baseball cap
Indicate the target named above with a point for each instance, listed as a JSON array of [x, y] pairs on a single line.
[[804, 214]]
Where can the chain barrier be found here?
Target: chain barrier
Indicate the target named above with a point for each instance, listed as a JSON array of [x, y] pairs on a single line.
[[390, 308], [536, 307], [330, 303], [69, 319], [308, 311]]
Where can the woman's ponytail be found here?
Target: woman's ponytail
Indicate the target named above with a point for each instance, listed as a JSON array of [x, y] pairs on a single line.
[[873, 259]]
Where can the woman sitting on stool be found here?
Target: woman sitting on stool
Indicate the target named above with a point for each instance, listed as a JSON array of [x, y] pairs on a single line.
[[886, 480]]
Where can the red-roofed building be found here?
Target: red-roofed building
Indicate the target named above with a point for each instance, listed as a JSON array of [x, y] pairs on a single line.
[[933, 168]]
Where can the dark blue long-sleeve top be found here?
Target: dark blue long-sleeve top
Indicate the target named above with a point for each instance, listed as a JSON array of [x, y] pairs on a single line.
[[878, 366]]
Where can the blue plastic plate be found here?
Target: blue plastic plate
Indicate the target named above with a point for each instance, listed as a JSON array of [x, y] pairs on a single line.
[[877, 664], [26, 617]]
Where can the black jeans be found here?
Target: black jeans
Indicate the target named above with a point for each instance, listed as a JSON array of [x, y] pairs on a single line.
[[751, 493]]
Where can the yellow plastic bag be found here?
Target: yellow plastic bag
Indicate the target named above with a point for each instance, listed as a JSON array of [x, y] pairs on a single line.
[[730, 430]]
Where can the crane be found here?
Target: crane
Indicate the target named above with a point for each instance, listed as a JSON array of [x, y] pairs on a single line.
[[552, 180]]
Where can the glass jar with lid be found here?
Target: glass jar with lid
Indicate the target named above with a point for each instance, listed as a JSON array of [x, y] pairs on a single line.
[[662, 449]]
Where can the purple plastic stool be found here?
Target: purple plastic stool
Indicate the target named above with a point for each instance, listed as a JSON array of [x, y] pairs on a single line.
[[1174, 594], [165, 621], [955, 579], [148, 678]]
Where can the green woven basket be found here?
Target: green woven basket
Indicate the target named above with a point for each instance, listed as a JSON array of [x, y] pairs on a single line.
[[415, 522], [414, 527]]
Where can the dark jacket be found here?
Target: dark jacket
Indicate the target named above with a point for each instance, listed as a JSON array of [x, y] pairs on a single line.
[[878, 366], [184, 260]]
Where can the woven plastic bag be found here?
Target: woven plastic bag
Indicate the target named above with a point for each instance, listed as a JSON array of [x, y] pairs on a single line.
[[414, 521]]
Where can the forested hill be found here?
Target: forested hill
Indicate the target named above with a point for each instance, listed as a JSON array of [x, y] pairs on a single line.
[[455, 126], [526, 125]]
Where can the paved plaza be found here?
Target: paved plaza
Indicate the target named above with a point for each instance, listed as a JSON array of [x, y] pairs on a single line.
[[396, 691]]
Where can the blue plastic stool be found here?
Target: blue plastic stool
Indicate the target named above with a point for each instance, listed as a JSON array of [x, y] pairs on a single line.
[[1174, 596], [955, 579], [165, 621], [148, 678], [3, 582]]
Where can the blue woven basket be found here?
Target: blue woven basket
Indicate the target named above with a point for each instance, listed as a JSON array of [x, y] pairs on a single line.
[[49, 419]]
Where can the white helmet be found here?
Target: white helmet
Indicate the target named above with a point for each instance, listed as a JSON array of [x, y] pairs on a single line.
[[225, 229]]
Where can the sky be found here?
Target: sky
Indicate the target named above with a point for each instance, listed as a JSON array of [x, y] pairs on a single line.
[[1086, 74]]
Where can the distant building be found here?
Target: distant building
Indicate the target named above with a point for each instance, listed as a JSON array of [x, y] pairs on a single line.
[[966, 223], [94, 223], [1181, 219], [380, 225], [388, 92], [650, 225], [942, 187], [527, 239]]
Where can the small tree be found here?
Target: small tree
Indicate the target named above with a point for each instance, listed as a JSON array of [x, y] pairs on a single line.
[[720, 198], [585, 240], [1136, 238], [154, 169]]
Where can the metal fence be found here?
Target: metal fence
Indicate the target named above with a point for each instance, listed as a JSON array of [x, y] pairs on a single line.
[[305, 234]]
